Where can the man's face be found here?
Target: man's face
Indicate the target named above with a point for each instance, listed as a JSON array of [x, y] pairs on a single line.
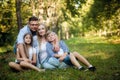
[[33, 25]]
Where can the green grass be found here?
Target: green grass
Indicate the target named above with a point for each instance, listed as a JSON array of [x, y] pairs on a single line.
[[99, 51]]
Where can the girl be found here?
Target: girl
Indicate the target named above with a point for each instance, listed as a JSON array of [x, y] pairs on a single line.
[[60, 50], [29, 62]]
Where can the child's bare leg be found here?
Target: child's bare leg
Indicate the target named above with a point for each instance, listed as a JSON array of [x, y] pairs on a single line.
[[74, 61], [29, 65], [15, 66], [81, 58]]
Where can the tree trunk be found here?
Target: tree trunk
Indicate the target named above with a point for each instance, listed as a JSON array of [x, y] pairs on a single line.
[[18, 14]]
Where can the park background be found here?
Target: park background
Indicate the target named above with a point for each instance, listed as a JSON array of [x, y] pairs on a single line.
[[90, 27]]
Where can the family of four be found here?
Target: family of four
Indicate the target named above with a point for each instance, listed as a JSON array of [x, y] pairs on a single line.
[[39, 49]]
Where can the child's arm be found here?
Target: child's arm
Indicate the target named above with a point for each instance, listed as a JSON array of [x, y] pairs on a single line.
[[57, 55], [18, 57], [62, 57], [34, 59]]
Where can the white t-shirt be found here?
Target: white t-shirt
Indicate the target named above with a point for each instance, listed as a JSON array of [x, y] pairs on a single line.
[[31, 52], [43, 53], [61, 52]]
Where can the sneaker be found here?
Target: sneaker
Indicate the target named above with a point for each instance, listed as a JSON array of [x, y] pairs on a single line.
[[82, 68], [92, 68]]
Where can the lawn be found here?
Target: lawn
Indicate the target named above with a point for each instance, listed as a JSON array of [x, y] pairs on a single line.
[[101, 52]]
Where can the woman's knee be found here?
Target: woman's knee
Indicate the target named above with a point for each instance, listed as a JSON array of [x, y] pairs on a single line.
[[48, 66]]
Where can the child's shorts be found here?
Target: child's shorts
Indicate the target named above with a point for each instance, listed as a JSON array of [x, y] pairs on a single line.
[[68, 61]]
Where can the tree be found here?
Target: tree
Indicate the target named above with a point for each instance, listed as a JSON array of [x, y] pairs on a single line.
[[18, 14]]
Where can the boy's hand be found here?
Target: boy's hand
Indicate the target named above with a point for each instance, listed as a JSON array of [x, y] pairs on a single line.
[[56, 48], [62, 58]]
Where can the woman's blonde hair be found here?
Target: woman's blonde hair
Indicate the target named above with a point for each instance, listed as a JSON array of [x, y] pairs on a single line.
[[38, 36]]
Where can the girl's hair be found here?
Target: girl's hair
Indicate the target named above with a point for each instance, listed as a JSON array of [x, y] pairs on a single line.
[[25, 47]]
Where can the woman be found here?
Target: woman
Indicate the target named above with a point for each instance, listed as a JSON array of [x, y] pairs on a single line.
[[44, 59]]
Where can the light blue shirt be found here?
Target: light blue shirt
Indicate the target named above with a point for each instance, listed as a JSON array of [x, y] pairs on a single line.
[[21, 34], [62, 44]]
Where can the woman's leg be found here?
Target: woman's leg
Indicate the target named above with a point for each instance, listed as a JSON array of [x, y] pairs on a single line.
[[81, 58], [47, 65], [55, 62], [15, 66], [29, 65]]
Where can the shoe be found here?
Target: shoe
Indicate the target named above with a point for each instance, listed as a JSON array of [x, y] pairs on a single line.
[[92, 68], [82, 68]]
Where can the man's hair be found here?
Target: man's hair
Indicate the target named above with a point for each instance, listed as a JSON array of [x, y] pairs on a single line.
[[33, 18]]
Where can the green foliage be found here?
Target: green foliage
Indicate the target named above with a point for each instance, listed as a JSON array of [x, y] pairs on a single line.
[[7, 21], [72, 17], [93, 15]]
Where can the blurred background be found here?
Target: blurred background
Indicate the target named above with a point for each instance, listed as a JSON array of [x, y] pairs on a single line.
[[68, 18]]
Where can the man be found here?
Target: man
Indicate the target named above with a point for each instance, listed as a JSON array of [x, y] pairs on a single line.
[[31, 27]]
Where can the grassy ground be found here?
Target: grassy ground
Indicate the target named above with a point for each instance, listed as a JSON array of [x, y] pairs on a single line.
[[101, 52]]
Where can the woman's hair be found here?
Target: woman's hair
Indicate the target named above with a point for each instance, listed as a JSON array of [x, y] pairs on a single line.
[[39, 36], [25, 47]]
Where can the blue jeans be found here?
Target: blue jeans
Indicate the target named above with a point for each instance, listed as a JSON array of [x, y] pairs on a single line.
[[53, 63], [68, 61]]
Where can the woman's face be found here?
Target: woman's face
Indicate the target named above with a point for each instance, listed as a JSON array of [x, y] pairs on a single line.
[[41, 30], [51, 37], [27, 39]]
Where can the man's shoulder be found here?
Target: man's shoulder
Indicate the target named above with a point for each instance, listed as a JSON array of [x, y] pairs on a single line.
[[25, 28]]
